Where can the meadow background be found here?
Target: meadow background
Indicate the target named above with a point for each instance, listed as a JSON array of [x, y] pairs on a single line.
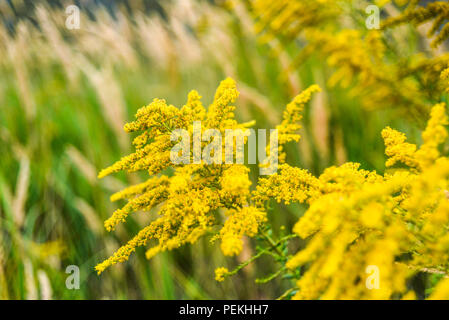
[[65, 96]]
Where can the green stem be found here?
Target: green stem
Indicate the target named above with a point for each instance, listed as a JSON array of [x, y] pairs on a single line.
[[271, 277], [285, 294], [244, 264]]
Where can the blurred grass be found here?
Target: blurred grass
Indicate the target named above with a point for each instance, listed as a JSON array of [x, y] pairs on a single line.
[[64, 96]]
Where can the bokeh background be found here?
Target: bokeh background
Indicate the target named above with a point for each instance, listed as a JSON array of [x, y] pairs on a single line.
[[65, 96]]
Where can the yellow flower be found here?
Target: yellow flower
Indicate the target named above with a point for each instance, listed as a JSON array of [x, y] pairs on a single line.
[[436, 10], [434, 135], [231, 245], [220, 274], [187, 200], [245, 221], [395, 223], [397, 149]]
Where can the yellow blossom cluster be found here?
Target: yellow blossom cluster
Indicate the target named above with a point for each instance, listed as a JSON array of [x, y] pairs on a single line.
[[292, 115], [241, 222], [436, 11], [357, 219], [357, 54], [189, 201], [444, 76], [287, 18], [220, 273]]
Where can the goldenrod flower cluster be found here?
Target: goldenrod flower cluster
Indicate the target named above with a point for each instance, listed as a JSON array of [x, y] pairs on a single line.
[[292, 115], [241, 222], [436, 11], [220, 273], [356, 218], [189, 200], [355, 53]]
